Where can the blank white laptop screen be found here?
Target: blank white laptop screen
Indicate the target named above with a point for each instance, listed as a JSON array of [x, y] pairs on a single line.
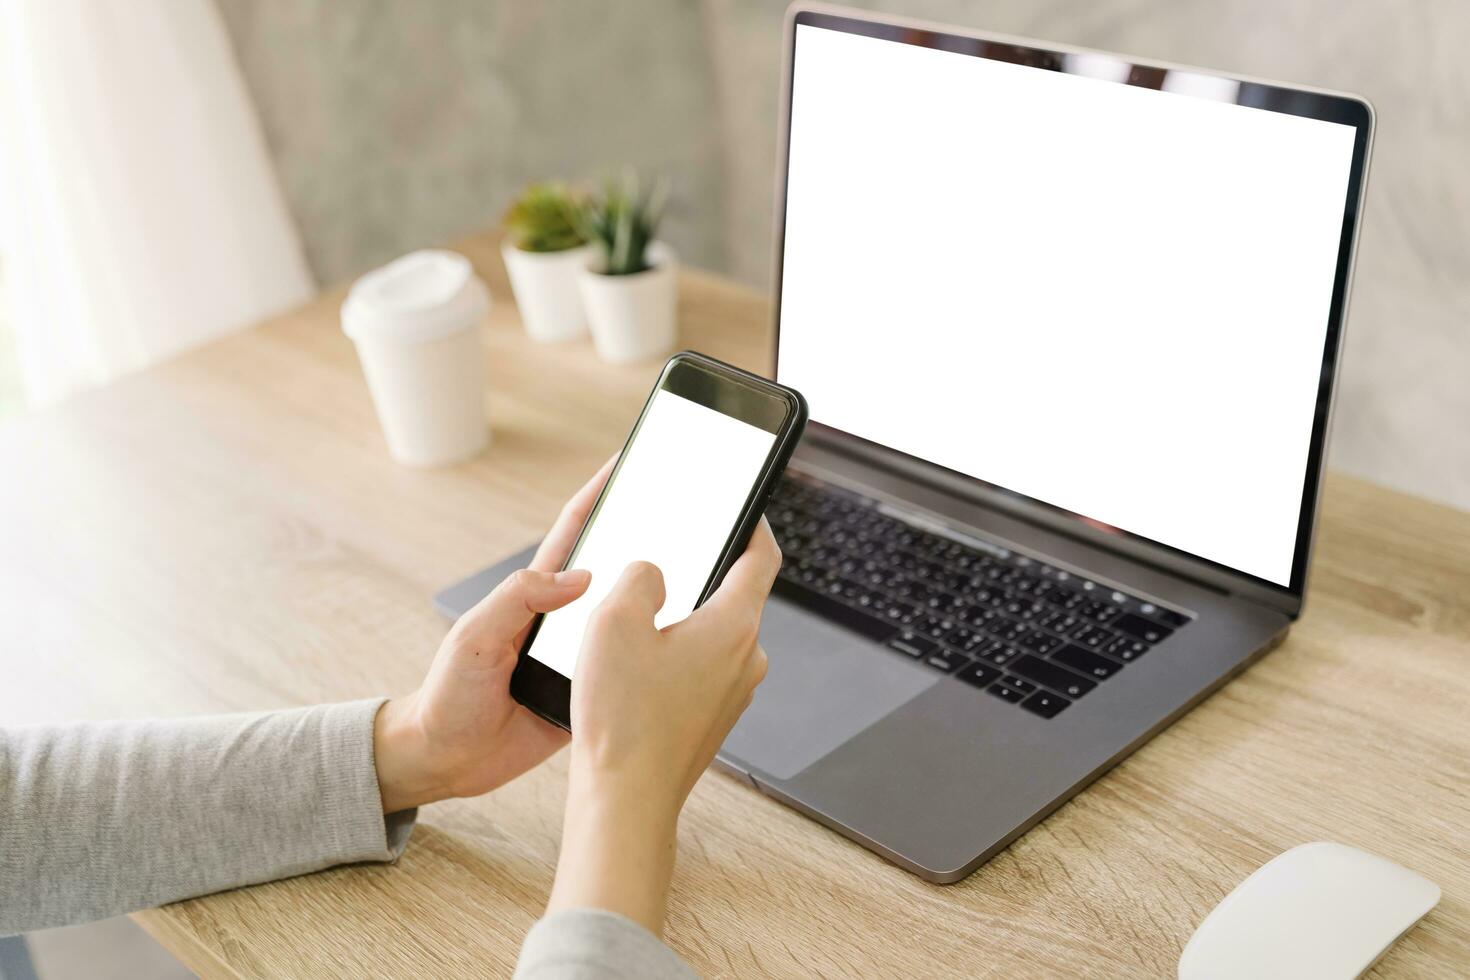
[[1109, 298]]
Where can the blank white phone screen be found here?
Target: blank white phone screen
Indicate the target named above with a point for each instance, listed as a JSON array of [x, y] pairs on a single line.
[[673, 502], [1110, 298]]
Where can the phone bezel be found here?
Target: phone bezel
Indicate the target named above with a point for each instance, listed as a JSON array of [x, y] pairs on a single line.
[[754, 400]]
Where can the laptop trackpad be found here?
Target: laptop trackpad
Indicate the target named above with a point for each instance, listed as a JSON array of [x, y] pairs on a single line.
[[823, 686]]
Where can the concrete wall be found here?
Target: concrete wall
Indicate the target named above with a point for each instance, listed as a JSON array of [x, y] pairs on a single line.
[[396, 125]]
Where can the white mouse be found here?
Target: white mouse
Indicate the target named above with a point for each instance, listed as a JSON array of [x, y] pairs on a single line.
[[1318, 912]]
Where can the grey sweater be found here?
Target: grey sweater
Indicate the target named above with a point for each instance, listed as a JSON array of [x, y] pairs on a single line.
[[100, 819]]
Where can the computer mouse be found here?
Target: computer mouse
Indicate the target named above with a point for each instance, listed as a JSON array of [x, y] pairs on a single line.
[[1319, 911]]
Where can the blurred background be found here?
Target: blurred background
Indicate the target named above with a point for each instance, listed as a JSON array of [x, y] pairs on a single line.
[[173, 170], [383, 127]]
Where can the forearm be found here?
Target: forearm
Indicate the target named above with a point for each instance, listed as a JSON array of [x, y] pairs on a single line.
[[98, 819], [617, 851], [612, 884]]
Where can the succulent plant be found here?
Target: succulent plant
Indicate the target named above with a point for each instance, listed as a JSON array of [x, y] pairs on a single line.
[[544, 218], [622, 221]]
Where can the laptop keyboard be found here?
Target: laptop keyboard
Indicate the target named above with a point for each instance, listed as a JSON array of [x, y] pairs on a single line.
[[1020, 629]]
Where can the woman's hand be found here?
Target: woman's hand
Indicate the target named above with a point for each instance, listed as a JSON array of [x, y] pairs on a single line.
[[461, 733], [650, 708]]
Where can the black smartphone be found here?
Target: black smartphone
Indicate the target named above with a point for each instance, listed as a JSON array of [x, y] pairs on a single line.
[[688, 489]]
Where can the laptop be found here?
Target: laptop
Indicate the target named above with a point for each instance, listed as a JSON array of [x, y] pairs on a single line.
[[1068, 324]]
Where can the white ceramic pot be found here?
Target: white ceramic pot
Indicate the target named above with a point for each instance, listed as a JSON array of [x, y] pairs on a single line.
[[545, 285], [417, 324], [632, 317]]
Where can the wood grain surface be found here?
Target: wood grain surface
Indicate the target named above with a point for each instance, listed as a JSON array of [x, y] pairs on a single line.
[[226, 532]]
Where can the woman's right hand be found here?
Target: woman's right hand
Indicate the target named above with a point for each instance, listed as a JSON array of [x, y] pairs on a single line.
[[650, 708]]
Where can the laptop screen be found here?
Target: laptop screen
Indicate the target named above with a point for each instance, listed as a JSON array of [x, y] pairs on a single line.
[[1110, 298]]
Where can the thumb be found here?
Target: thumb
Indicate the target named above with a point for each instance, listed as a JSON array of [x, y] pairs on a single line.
[[639, 591], [510, 608]]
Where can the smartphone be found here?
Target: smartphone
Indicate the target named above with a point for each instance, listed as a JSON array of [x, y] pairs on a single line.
[[688, 489]]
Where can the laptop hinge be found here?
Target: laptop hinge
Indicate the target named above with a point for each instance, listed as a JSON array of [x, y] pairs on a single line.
[[990, 500]]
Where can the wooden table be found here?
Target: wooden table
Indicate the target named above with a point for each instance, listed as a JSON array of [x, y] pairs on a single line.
[[226, 532]]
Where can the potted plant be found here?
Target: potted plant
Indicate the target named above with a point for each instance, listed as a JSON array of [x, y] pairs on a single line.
[[544, 249], [629, 285]]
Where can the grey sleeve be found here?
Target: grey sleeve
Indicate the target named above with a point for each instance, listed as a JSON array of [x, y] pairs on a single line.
[[99, 819], [593, 944]]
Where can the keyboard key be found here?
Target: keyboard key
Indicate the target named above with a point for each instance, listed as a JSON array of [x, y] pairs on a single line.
[[912, 644], [1172, 618], [1005, 693], [1030, 586], [983, 596], [1055, 594], [1086, 662], [898, 611], [1039, 643], [1006, 629], [978, 674], [1081, 628], [945, 605], [1059, 622], [1051, 675], [1045, 704], [1031, 610], [999, 654], [934, 627], [1126, 648], [1017, 685], [978, 617], [1098, 612], [1092, 637], [946, 661], [1145, 629], [970, 642]]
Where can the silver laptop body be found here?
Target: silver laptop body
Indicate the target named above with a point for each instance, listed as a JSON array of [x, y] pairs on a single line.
[[936, 740]]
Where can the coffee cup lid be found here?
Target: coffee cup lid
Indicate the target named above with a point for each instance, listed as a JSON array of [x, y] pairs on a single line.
[[423, 296]]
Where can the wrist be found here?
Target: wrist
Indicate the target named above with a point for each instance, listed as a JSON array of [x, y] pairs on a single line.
[[624, 782], [402, 755], [621, 799], [617, 852]]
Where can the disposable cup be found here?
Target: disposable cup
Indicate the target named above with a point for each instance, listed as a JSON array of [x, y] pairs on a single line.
[[416, 324]]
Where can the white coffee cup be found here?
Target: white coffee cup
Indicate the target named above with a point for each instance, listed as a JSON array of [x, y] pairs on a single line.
[[416, 323]]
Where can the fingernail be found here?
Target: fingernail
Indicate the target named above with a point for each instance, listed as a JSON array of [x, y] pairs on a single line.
[[572, 576]]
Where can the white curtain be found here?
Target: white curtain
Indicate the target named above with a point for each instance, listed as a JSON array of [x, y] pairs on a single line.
[[139, 211]]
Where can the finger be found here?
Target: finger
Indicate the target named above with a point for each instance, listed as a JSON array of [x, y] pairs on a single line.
[[734, 611], [750, 579], [557, 545], [506, 611], [638, 593]]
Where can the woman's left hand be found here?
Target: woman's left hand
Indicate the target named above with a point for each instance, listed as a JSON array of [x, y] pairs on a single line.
[[461, 733]]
